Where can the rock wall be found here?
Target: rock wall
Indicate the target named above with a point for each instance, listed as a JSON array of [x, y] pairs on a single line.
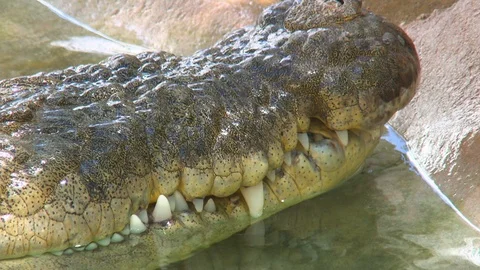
[[442, 123], [179, 27]]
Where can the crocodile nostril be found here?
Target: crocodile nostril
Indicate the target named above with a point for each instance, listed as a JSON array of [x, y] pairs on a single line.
[[340, 1]]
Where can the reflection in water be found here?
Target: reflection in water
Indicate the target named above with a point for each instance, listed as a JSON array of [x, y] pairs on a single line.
[[385, 218]]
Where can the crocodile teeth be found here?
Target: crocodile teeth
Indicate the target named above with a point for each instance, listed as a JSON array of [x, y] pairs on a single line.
[[126, 230], [117, 238], [210, 206], [303, 139], [162, 210], [271, 176], [143, 215], [104, 242], [254, 198], [198, 203], [57, 253], [180, 203], [68, 251], [342, 136], [171, 201], [287, 158], [136, 225], [92, 246], [79, 248]]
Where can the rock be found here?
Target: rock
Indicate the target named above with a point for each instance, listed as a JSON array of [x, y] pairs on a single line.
[[442, 123], [405, 11], [27, 31], [179, 27]]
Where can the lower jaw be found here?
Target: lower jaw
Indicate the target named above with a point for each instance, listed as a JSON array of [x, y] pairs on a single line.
[[191, 225]]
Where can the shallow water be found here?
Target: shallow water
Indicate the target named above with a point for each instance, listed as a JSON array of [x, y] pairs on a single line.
[[27, 31], [405, 11], [387, 217]]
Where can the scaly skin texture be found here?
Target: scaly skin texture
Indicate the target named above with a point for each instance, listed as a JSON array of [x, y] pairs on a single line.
[[84, 148]]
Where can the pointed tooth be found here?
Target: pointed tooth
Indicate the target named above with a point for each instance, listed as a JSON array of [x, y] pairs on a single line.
[[117, 238], [342, 136], [198, 203], [136, 225], [162, 210], [254, 198], [143, 216], [91, 246], [210, 206], [104, 242], [68, 251], [57, 253], [287, 158], [180, 203], [171, 201], [79, 248], [126, 230], [303, 139], [271, 176]]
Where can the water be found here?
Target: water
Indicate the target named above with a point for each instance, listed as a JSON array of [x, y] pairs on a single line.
[[27, 31], [387, 217]]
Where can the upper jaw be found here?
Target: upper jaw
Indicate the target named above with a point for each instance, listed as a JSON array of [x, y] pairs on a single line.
[[310, 14]]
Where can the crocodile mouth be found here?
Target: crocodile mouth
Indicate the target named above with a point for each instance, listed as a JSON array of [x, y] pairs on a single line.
[[95, 154], [319, 159]]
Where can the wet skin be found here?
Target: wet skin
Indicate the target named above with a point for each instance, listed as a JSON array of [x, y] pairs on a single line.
[[290, 107]]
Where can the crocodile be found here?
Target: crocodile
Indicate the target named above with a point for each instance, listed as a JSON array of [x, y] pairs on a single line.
[[269, 116]]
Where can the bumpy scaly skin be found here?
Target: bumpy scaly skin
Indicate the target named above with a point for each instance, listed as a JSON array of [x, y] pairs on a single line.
[[84, 148]]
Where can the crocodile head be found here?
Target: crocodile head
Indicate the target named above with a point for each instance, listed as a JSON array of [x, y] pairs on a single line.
[[270, 116]]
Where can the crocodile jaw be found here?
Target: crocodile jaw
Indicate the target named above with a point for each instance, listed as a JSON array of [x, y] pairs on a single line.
[[98, 170]]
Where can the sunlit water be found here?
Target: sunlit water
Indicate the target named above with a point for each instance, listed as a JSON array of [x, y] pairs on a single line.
[[387, 217]]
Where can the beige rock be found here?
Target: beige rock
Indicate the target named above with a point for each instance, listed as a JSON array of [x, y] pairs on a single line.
[[442, 123], [405, 11], [180, 27]]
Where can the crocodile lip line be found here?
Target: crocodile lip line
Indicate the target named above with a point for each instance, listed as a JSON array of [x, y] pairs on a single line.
[[269, 116], [305, 171]]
